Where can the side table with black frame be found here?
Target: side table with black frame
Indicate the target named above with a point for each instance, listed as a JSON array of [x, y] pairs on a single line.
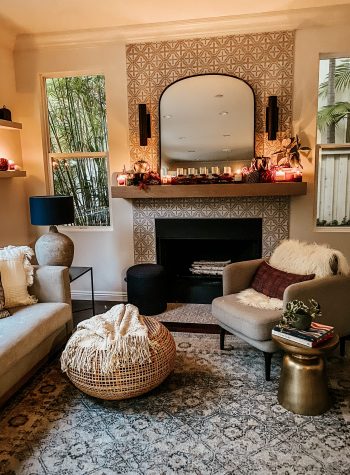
[[74, 274]]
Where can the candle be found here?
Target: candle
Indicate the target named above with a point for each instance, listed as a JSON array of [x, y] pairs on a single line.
[[227, 170], [289, 174], [215, 170], [298, 175], [11, 165], [191, 171], [203, 171], [121, 180], [238, 175], [280, 175], [179, 171]]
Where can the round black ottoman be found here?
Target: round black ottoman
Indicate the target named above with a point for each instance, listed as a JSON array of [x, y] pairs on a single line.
[[147, 288]]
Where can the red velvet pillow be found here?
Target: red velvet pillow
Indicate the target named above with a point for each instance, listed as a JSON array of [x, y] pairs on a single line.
[[273, 282]]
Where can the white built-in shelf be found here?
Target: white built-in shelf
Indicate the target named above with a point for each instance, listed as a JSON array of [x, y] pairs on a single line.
[[13, 173], [8, 124], [208, 191]]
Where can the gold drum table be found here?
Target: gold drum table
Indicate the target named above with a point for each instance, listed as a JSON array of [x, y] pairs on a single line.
[[303, 385], [133, 379]]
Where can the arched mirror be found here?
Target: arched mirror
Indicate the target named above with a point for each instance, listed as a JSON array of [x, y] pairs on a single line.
[[207, 120]]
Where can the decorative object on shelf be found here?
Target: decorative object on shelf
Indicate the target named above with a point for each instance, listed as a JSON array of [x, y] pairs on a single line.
[[215, 170], [4, 164], [272, 118], [140, 168], [290, 154], [227, 171], [53, 248], [286, 174], [5, 114], [238, 176], [262, 164], [144, 124], [122, 177], [299, 315], [251, 174]]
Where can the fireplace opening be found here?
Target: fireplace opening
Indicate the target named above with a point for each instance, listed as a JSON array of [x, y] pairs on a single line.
[[194, 252]]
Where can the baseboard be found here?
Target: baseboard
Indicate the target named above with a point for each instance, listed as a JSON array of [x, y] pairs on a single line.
[[99, 295]]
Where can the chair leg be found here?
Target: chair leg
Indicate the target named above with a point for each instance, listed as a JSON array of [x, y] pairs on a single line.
[[342, 341], [268, 357], [222, 338]]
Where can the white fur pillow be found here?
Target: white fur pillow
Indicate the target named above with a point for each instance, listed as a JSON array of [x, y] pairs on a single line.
[[16, 275], [300, 257]]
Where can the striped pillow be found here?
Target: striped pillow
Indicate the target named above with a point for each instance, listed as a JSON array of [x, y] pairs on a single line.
[[272, 282]]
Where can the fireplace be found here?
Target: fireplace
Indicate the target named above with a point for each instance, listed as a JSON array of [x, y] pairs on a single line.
[[180, 242]]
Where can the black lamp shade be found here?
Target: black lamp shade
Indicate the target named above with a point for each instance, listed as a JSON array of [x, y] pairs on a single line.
[[51, 210]]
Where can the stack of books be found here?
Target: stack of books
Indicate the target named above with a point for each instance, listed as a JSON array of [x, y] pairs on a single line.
[[314, 336]]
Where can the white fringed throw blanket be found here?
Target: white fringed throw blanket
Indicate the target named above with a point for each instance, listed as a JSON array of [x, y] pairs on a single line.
[[116, 338]]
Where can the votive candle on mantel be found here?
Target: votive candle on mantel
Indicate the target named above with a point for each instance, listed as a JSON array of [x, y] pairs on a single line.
[[191, 171], [121, 180], [179, 171], [280, 175], [227, 170], [203, 171], [238, 175], [215, 170], [298, 175]]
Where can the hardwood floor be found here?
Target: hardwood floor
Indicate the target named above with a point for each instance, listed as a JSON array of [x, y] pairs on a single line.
[[82, 311]]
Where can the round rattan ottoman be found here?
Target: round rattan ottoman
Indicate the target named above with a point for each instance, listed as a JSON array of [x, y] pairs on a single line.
[[134, 379]]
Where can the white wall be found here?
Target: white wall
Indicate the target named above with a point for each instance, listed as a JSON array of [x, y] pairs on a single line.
[[310, 44], [13, 209], [109, 252]]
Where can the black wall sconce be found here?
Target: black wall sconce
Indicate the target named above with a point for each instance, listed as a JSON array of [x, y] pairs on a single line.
[[272, 118], [144, 124]]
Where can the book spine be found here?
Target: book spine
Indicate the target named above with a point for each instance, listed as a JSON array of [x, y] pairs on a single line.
[[302, 341]]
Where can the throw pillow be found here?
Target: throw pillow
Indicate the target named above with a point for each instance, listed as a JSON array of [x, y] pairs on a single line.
[[273, 282], [308, 258], [3, 312], [16, 274]]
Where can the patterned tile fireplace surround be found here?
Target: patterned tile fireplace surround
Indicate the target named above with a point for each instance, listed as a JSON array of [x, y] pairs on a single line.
[[266, 62], [274, 212]]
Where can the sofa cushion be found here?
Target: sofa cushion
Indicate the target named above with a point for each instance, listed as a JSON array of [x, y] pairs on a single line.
[[273, 282], [253, 322], [27, 327]]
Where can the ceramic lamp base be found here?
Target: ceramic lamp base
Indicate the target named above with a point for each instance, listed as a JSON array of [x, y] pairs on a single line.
[[54, 249]]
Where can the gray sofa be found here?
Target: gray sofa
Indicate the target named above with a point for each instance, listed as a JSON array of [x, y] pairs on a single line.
[[32, 333]]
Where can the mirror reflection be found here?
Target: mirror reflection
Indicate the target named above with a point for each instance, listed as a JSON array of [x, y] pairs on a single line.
[[206, 121]]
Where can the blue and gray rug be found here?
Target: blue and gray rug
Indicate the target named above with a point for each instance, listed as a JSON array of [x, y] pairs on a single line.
[[214, 415]]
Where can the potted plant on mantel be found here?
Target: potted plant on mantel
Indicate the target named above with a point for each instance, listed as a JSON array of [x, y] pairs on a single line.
[[290, 154], [299, 315]]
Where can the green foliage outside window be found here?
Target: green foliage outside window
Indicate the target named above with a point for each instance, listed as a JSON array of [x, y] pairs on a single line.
[[77, 124]]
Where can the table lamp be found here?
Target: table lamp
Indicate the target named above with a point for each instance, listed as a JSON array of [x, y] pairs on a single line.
[[53, 248]]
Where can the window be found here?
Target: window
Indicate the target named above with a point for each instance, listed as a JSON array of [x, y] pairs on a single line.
[[78, 146], [333, 123]]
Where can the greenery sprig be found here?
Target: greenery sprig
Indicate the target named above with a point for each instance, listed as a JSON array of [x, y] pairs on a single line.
[[297, 307]]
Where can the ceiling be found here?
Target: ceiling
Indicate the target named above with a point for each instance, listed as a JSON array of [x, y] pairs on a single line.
[[47, 16]]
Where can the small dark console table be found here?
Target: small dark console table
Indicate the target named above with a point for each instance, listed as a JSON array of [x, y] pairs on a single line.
[[74, 274]]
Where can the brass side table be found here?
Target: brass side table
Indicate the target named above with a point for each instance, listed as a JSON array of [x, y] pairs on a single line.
[[303, 384]]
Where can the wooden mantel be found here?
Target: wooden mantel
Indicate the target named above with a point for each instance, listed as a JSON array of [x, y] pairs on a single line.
[[210, 191]]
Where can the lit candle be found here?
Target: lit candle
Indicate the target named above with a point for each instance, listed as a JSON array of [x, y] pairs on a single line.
[[289, 174], [191, 171], [280, 175], [121, 180], [215, 170], [179, 171], [227, 170], [298, 175], [11, 165], [238, 175], [203, 171]]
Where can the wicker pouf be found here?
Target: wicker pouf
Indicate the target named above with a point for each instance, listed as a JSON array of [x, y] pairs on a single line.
[[135, 379]]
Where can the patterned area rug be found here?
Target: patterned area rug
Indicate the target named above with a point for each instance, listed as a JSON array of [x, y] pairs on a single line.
[[214, 415], [187, 313]]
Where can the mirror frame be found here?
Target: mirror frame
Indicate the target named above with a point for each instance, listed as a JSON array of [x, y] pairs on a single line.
[[193, 76]]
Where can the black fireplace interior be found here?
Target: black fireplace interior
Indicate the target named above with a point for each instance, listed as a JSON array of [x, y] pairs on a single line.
[[180, 242]]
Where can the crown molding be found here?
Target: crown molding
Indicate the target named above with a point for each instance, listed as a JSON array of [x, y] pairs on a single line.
[[274, 21]]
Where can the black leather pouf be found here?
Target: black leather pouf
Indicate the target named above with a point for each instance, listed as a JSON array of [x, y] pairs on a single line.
[[147, 288]]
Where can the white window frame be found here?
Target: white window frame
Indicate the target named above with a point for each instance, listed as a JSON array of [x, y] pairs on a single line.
[[49, 156]]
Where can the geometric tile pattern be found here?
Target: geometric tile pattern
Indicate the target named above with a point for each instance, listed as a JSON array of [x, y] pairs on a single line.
[[215, 414], [274, 212], [264, 60]]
